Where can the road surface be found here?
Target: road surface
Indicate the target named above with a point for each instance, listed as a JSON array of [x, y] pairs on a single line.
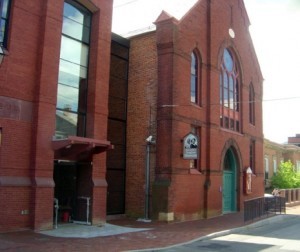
[[281, 236]]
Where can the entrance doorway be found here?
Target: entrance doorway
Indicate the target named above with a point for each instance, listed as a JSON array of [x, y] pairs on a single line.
[[229, 182], [73, 190]]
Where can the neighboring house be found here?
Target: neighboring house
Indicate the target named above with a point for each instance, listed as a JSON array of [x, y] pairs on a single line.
[[294, 140], [274, 154], [200, 76]]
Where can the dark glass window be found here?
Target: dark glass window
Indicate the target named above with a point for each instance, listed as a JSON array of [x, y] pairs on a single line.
[[251, 105], [4, 10], [73, 71], [229, 93], [117, 121], [252, 155], [195, 78]]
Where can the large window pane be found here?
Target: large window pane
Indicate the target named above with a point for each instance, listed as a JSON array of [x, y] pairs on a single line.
[[73, 13], [121, 51], [225, 81], [117, 108], [66, 124], [231, 83], [194, 78], [226, 102], [193, 64], [74, 51], [71, 74], [2, 31], [67, 98], [4, 13], [118, 67], [193, 90], [231, 100], [228, 61], [75, 30]]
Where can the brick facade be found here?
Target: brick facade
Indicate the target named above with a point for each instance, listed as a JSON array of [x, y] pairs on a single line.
[[159, 105], [28, 84], [275, 153]]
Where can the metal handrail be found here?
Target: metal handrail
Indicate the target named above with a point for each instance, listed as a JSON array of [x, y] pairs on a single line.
[[263, 207]]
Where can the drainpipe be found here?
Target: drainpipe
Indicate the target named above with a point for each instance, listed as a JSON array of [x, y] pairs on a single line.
[[147, 178], [208, 109], [149, 141]]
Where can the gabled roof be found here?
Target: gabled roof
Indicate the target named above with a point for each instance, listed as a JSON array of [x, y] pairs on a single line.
[[161, 10], [164, 16]]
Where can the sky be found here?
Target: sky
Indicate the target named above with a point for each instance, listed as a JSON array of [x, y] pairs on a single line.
[[275, 32]]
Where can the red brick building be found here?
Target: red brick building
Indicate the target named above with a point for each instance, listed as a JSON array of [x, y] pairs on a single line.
[[294, 140], [70, 90], [275, 153], [53, 111], [197, 78]]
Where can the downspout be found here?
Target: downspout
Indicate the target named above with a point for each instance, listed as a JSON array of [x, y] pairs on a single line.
[[208, 109]]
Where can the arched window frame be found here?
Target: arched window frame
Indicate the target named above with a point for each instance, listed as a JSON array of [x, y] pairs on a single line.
[[230, 111], [195, 82], [251, 104]]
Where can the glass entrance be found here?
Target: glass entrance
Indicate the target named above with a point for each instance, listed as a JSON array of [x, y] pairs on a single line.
[[73, 190]]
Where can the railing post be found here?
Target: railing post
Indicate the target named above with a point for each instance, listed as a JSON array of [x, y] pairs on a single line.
[[288, 195], [282, 193]]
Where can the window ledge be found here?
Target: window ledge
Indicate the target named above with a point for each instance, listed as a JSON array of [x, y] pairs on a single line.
[[195, 171], [231, 131]]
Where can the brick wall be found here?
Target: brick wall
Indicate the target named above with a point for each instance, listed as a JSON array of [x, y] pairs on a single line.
[[28, 90], [142, 92], [190, 193]]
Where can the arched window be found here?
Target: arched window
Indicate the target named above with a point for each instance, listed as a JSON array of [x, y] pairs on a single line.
[[73, 71], [251, 105], [195, 78], [229, 92]]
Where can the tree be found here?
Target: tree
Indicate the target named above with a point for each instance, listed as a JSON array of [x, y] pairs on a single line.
[[286, 176]]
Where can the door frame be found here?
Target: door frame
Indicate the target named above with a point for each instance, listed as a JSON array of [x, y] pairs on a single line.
[[230, 166]]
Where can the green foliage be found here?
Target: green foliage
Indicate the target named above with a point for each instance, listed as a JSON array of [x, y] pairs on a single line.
[[286, 176]]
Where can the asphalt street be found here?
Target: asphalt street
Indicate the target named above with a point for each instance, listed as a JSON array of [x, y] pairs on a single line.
[[278, 236]]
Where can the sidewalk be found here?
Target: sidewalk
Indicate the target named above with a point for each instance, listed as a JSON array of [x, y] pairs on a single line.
[[134, 235]]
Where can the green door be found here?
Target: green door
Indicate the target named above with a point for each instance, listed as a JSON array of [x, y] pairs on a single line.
[[229, 183]]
